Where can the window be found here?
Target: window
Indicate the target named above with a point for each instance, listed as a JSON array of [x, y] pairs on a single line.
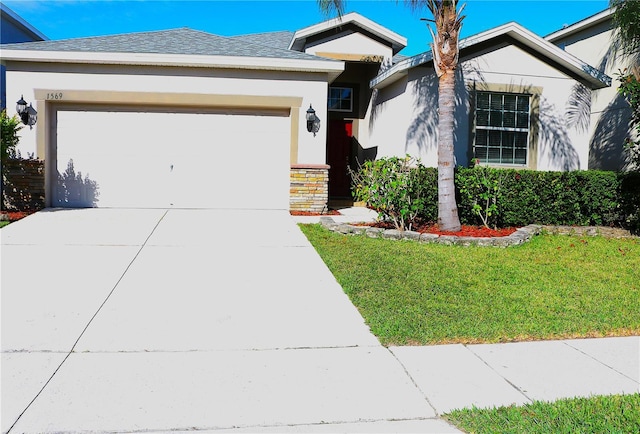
[[502, 127], [340, 99]]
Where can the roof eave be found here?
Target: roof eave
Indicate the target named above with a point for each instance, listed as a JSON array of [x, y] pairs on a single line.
[[228, 62], [399, 70], [580, 25], [588, 73], [595, 78]]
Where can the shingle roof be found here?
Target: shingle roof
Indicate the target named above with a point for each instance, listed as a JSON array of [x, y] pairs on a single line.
[[178, 41], [270, 39]]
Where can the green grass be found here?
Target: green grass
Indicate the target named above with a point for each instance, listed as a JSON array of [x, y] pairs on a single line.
[[602, 414], [3, 223], [550, 288]]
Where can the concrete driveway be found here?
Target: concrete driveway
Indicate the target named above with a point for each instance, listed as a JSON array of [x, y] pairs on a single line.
[[167, 320]]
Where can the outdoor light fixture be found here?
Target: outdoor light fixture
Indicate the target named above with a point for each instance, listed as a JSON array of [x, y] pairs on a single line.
[[313, 122], [28, 115]]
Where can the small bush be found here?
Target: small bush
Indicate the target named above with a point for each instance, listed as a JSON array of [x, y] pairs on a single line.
[[482, 188], [9, 127], [390, 187]]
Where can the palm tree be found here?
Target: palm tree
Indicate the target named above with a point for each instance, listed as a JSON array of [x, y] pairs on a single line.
[[448, 21]]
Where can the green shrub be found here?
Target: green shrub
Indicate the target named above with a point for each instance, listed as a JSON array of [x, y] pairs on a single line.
[[560, 198], [9, 127], [629, 194], [390, 187], [426, 186], [482, 188], [581, 198]]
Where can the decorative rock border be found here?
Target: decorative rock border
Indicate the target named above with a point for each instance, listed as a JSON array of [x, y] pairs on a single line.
[[589, 231], [522, 235]]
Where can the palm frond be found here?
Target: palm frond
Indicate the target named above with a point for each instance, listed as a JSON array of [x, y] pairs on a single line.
[[332, 7]]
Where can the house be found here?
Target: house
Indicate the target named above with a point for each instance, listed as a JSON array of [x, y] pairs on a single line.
[[14, 29], [185, 118]]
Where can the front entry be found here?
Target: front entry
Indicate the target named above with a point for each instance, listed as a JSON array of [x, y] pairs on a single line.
[[339, 145]]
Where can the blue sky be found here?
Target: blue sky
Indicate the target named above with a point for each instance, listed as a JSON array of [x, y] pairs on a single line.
[[62, 19]]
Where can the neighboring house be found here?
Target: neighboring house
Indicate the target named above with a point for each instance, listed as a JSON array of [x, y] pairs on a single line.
[[189, 119], [14, 29], [593, 41]]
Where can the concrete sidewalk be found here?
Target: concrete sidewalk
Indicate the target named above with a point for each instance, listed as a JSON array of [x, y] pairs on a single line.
[[158, 321]]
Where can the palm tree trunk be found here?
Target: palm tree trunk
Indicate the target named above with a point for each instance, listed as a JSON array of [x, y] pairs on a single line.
[[448, 219]]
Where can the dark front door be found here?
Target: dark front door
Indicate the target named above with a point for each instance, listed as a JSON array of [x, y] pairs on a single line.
[[339, 145]]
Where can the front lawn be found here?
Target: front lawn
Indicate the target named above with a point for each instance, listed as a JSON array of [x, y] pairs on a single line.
[[550, 288], [601, 414]]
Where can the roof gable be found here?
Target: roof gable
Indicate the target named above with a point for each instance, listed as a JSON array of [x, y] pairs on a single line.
[[546, 51], [395, 41]]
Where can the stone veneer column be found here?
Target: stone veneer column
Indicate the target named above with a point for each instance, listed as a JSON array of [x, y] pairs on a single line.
[[309, 187]]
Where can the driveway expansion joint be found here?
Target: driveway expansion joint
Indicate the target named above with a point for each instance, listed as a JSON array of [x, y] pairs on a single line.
[[72, 350]]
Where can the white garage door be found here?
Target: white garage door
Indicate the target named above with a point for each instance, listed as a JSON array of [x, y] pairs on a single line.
[[161, 159]]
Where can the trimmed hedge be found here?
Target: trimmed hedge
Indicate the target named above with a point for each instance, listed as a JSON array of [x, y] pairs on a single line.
[[583, 198]]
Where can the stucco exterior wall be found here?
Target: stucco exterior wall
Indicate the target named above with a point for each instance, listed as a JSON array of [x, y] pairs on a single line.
[[405, 113], [350, 43], [24, 79], [610, 113]]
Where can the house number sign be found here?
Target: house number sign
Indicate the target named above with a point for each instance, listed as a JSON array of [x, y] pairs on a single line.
[[54, 95]]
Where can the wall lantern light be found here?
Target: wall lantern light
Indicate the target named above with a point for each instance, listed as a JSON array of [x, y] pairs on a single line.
[[28, 115], [313, 122]]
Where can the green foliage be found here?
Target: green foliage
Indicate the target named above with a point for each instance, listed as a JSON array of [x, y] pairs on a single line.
[[629, 196], [626, 19], [482, 189], [630, 90], [390, 187], [406, 194], [560, 198], [522, 197], [595, 414], [9, 134]]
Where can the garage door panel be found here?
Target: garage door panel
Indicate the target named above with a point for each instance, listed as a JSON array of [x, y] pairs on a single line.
[[242, 161], [163, 159]]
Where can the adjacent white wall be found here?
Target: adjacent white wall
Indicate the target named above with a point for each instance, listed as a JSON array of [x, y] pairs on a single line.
[[610, 113]]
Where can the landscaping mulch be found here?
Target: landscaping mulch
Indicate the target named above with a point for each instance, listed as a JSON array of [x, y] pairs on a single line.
[[13, 216], [310, 213], [465, 231]]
